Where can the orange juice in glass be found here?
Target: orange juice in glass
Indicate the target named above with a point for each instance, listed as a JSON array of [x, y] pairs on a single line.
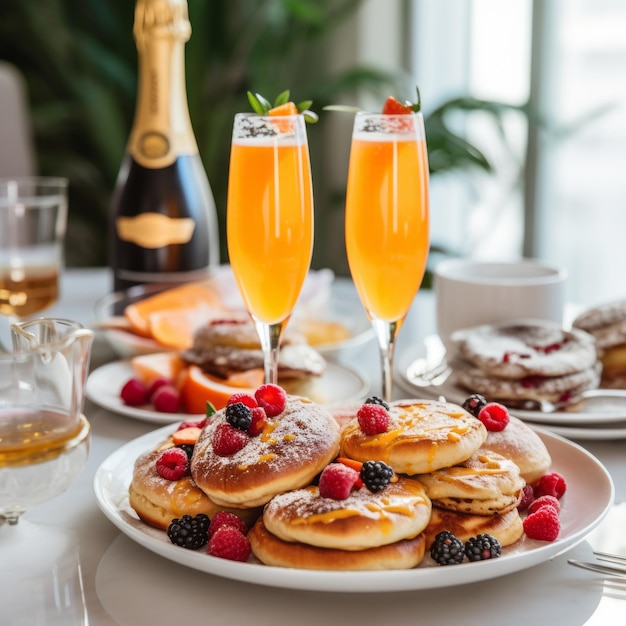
[[387, 222], [269, 221]]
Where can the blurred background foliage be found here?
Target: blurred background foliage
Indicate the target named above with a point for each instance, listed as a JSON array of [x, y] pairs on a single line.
[[79, 61]]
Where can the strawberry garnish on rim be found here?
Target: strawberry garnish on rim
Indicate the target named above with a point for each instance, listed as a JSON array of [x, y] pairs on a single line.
[[393, 106]]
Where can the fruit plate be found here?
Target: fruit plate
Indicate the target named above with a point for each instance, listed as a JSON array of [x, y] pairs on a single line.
[[587, 501], [325, 299], [338, 384]]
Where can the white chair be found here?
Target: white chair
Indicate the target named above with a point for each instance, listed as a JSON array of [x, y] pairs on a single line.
[[16, 136]]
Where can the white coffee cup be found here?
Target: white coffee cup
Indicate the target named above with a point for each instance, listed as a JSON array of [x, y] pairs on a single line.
[[471, 292]]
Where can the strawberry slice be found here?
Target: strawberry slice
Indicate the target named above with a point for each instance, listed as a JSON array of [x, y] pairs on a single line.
[[395, 107]]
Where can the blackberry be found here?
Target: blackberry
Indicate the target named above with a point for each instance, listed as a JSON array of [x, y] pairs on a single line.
[[482, 547], [189, 532], [474, 403], [447, 549], [376, 475], [238, 415], [377, 400], [187, 448]]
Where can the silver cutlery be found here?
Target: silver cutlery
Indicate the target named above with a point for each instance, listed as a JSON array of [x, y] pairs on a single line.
[[422, 374], [614, 569]]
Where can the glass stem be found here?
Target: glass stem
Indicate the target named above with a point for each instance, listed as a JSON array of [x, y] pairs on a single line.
[[269, 335], [386, 335]]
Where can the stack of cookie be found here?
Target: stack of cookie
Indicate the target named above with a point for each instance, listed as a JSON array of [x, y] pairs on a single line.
[[524, 362], [607, 324]]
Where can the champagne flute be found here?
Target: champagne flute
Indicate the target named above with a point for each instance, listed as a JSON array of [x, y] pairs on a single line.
[[270, 222], [33, 218], [387, 222]]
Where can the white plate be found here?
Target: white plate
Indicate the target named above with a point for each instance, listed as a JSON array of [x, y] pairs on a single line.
[[338, 384], [588, 499], [599, 417], [588, 433]]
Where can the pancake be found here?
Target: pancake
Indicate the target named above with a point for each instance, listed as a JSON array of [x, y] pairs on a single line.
[[521, 349], [157, 500], [271, 550], [292, 449], [523, 446], [485, 484], [363, 520], [506, 528], [423, 435], [514, 392], [223, 348]]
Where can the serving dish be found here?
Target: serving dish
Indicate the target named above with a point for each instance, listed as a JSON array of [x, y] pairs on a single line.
[[587, 501]]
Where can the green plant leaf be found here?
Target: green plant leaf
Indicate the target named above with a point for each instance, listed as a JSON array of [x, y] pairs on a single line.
[[256, 105], [282, 98]]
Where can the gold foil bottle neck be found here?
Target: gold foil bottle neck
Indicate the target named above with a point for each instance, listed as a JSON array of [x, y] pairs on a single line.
[[161, 18]]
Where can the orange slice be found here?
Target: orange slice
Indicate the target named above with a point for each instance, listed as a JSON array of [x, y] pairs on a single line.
[[149, 367], [199, 387], [289, 108], [190, 296], [175, 328]]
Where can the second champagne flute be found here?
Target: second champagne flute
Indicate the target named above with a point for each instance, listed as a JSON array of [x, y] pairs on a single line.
[[387, 222], [270, 222]]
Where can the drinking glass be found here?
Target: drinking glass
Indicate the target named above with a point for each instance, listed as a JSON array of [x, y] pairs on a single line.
[[387, 222], [33, 218], [43, 433], [269, 222]]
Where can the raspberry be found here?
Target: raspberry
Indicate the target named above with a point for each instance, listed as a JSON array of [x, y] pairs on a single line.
[[228, 543], [259, 419], [543, 524], [166, 399], [373, 419], [190, 423], [173, 464], [474, 403], [134, 393], [336, 481], [550, 485], [239, 416], [272, 398], [244, 398], [376, 475], [535, 505], [225, 518], [157, 383], [228, 440], [494, 416], [528, 495], [377, 400]]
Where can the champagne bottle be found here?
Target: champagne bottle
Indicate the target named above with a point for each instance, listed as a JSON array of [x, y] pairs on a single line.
[[164, 224]]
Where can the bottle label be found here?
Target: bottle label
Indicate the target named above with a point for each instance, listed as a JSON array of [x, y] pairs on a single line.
[[153, 230], [162, 128]]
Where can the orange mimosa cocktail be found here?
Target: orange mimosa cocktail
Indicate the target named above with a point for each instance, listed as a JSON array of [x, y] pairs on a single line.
[[387, 220], [270, 225], [270, 215]]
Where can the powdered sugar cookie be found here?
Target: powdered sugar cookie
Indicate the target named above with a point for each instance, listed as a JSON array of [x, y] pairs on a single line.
[[519, 349], [536, 388]]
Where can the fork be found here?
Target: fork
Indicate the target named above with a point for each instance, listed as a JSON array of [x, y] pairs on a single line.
[[421, 374], [611, 570]]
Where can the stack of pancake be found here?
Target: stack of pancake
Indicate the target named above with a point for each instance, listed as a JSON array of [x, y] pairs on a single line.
[[607, 324], [524, 362], [450, 474], [222, 348]]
